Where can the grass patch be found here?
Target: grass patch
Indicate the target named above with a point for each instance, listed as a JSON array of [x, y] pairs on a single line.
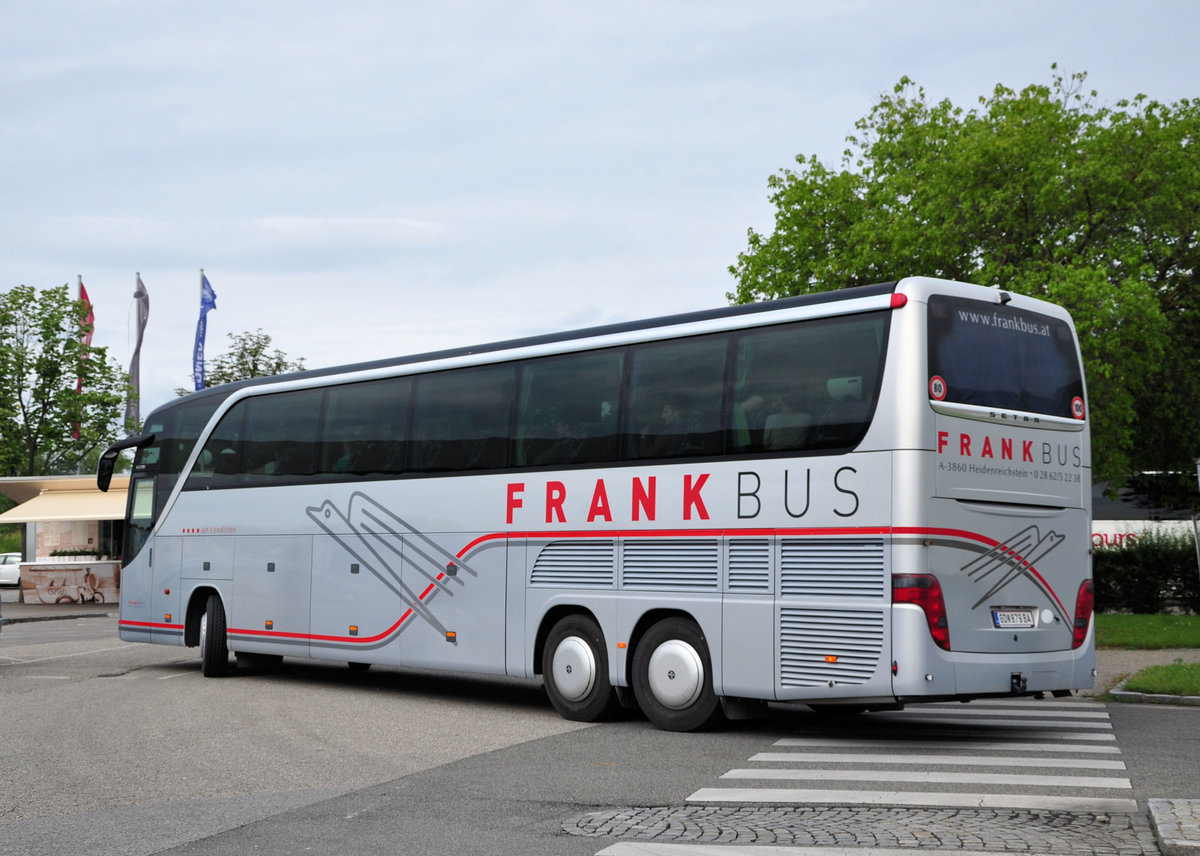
[[1179, 678], [1117, 630]]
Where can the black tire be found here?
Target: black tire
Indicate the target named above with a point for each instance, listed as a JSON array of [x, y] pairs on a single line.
[[672, 677], [214, 647], [575, 670]]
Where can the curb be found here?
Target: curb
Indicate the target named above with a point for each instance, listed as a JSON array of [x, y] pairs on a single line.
[[1177, 826], [28, 619], [1118, 693]]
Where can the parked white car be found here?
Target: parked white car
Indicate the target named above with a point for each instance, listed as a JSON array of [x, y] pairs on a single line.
[[10, 569]]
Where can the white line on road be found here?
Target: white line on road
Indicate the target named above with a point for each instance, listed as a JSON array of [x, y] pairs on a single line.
[[931, 777], [1008, 723], [67, 656], [789, 796], [963, 710], [658, 848], [972, 745], [936, 760]]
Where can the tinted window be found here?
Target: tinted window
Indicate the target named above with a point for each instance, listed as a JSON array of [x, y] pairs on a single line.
[[675, 394], [176, 429], [997, 356], [365, 425], [808, 386], [262, 440], [219, 460], [280, 441], [567, 410], [461, 419]]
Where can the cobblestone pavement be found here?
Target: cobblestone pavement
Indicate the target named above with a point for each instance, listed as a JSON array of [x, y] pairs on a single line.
[[993, 830]]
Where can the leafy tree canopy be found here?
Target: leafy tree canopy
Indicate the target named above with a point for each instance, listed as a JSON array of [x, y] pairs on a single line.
[[1045, 193], [59, 398], [249, 355]]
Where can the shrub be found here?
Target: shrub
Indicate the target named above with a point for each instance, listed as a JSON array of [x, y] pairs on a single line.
[[1156, 571]]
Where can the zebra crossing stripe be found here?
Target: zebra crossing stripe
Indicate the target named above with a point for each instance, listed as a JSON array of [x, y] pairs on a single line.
[[1047, 724], [1014, 711], [938, 760], [970, 745], [790, 796], [931, 777]]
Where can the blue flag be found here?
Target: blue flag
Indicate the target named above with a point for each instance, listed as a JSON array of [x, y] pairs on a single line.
[[208, 300]]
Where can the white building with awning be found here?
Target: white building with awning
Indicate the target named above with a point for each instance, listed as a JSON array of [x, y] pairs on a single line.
[[72, 537]]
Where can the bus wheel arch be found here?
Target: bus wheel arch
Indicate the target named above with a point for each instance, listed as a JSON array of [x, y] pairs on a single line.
[[671, 673], [573, 659], [197, 604], [206, 627]]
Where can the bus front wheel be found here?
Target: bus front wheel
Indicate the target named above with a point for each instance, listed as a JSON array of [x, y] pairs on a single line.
[[672, 677], [214, 647], [575, 669]]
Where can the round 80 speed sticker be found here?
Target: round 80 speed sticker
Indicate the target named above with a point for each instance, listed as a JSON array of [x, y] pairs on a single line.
[[937, 388]]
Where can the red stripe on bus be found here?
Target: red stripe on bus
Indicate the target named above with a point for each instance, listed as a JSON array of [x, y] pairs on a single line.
[[151, 624]]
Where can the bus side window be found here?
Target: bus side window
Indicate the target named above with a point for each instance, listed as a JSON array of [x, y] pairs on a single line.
[[675, 397], [366, 429], [280, 437], [807, 385], [461, 419], [217, 464], [566, 411]]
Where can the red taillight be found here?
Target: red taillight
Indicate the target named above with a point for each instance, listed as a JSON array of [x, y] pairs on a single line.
[[926, 592], [1083, 612], [899, 300]]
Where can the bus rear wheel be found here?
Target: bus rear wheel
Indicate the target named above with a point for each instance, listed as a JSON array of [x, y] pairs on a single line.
[[575, 670], [672, 677], [214, 647]]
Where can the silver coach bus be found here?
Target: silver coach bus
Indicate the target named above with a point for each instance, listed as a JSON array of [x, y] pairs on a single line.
[[866, 498]]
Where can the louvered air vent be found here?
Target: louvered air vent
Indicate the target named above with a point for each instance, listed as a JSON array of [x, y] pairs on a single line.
[[813, 567], [574, 564], [670, 563], [817, 646], [749, 565]]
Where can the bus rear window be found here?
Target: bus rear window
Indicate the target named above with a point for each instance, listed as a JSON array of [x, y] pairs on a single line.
[[998, 356]]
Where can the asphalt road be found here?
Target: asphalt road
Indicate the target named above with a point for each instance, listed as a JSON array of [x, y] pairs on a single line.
[[122, 748]]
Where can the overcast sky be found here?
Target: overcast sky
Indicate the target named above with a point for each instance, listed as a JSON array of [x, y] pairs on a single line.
[[366, 179]]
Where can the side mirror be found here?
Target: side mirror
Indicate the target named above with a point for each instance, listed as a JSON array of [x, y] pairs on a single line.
[[108, 458]]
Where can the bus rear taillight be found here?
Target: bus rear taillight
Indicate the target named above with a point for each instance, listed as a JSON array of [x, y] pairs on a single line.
[[926, 592], [1083, 612]]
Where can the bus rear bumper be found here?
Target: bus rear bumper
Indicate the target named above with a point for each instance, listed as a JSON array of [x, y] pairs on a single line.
[[927, 670]]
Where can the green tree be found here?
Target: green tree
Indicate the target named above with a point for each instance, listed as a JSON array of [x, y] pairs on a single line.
[[249, 355], [61, 398], [1042, 192]]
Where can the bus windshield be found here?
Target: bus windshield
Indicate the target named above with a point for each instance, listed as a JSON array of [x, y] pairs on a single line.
[[993, 355], [156, 465]]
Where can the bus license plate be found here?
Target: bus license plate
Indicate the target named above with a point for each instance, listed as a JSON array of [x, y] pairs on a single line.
[[1007, 619]]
